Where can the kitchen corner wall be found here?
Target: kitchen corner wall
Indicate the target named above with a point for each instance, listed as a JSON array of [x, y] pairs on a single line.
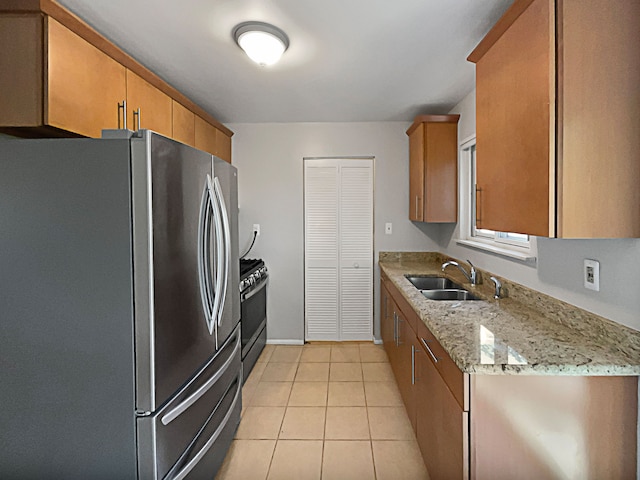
[[559, 268], [269, 158]]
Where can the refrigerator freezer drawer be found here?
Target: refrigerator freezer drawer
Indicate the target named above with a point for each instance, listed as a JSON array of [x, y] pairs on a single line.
[[178, 437]]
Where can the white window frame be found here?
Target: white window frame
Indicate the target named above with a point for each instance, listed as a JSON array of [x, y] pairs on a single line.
[[501, 243]]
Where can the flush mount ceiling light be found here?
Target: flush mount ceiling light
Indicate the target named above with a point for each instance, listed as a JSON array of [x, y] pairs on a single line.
[[263, 43]]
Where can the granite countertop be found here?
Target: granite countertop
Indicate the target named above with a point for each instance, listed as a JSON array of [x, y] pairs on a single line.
[[525, 333]]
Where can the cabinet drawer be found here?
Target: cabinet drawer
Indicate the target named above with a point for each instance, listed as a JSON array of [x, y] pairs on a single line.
[[456, 380]]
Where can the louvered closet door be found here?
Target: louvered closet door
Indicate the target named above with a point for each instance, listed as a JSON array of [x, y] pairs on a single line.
[[339, 249]]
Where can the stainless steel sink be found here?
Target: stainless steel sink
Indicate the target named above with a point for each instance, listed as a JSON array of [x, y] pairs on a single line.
[[448, 294], [433, 283]]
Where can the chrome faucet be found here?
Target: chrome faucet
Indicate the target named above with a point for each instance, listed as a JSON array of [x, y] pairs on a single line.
[[498, 287], [473, 276]]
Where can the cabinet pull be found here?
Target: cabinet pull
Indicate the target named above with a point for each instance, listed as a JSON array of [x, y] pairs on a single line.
[[478, 209], [136, 115], [416, 207], [398, 342], [395, 328], [122, 106], [413, 365], [424, 343]]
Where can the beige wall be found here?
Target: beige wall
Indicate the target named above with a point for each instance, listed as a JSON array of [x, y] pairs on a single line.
[[270, 176]]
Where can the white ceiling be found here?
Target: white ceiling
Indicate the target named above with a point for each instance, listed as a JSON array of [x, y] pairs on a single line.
[[348, 60]]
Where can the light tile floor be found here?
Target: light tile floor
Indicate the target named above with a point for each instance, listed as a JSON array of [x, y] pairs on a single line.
[[327, 411]]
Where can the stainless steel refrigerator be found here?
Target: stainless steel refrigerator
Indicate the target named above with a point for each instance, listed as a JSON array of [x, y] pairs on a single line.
[[119, 304]]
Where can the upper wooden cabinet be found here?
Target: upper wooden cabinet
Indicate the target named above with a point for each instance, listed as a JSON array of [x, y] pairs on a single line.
[[183, 124], [557, 120], [58, 77], [212, 140], [433, 168], [147, 106], [43, 82]]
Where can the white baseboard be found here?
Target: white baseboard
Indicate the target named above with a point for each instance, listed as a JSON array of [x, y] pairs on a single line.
[[285, 342], [288, 341]]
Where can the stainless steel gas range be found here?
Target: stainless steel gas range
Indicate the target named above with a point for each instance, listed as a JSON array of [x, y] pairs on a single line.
[[253, 305]]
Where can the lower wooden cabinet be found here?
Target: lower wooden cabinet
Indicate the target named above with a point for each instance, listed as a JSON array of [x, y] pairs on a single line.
[[506, 426], [442, 425]]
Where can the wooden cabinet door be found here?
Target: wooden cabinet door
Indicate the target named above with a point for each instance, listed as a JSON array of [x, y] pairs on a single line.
[[515, 125], [21, 72], [416, 174], [433, 169], [154, 106], [387, 326], [441, 424], [598, 80], [205, 136], [183, 124], [404, 364], [441, 172], [84, 84], [223, 146]]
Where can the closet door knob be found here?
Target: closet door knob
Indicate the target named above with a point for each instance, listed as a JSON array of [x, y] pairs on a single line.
[[356, 265]]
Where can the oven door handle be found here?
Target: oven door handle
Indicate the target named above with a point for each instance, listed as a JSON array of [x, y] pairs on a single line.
[[247, 296]]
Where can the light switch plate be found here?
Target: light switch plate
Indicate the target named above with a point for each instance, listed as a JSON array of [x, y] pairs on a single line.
[[591, 274], [388, 228]]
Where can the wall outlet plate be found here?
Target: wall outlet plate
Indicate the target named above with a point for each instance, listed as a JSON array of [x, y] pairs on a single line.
[[591, 274], [256, 229]]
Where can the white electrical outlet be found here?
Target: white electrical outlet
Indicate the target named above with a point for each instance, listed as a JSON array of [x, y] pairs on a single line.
[[388, 228], [591, 274], [256, 229]]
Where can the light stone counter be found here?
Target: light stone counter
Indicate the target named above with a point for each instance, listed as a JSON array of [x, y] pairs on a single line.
[[525, 333]]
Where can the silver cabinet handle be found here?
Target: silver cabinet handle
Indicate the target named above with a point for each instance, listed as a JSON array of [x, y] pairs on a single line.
[[416, 206], [122, 106], [194, 461], [398, 342], [191, 399], [136, 115], [395, 328], [413, 365], [424, 343]]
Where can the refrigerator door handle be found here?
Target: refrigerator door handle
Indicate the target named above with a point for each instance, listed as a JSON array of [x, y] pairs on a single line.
[[193, 398], [203, 451], [204, 269], [217, 293], [226, 231]]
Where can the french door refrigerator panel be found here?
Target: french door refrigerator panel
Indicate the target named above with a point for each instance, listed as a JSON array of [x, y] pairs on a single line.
[[172, 336], [225, 184]]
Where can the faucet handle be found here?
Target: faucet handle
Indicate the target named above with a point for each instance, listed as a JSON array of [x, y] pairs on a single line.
[[474, 274]]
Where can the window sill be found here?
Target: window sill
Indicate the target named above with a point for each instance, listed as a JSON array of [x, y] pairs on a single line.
[[525, 257]]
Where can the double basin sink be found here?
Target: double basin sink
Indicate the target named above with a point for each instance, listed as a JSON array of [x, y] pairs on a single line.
[[440, 288]]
